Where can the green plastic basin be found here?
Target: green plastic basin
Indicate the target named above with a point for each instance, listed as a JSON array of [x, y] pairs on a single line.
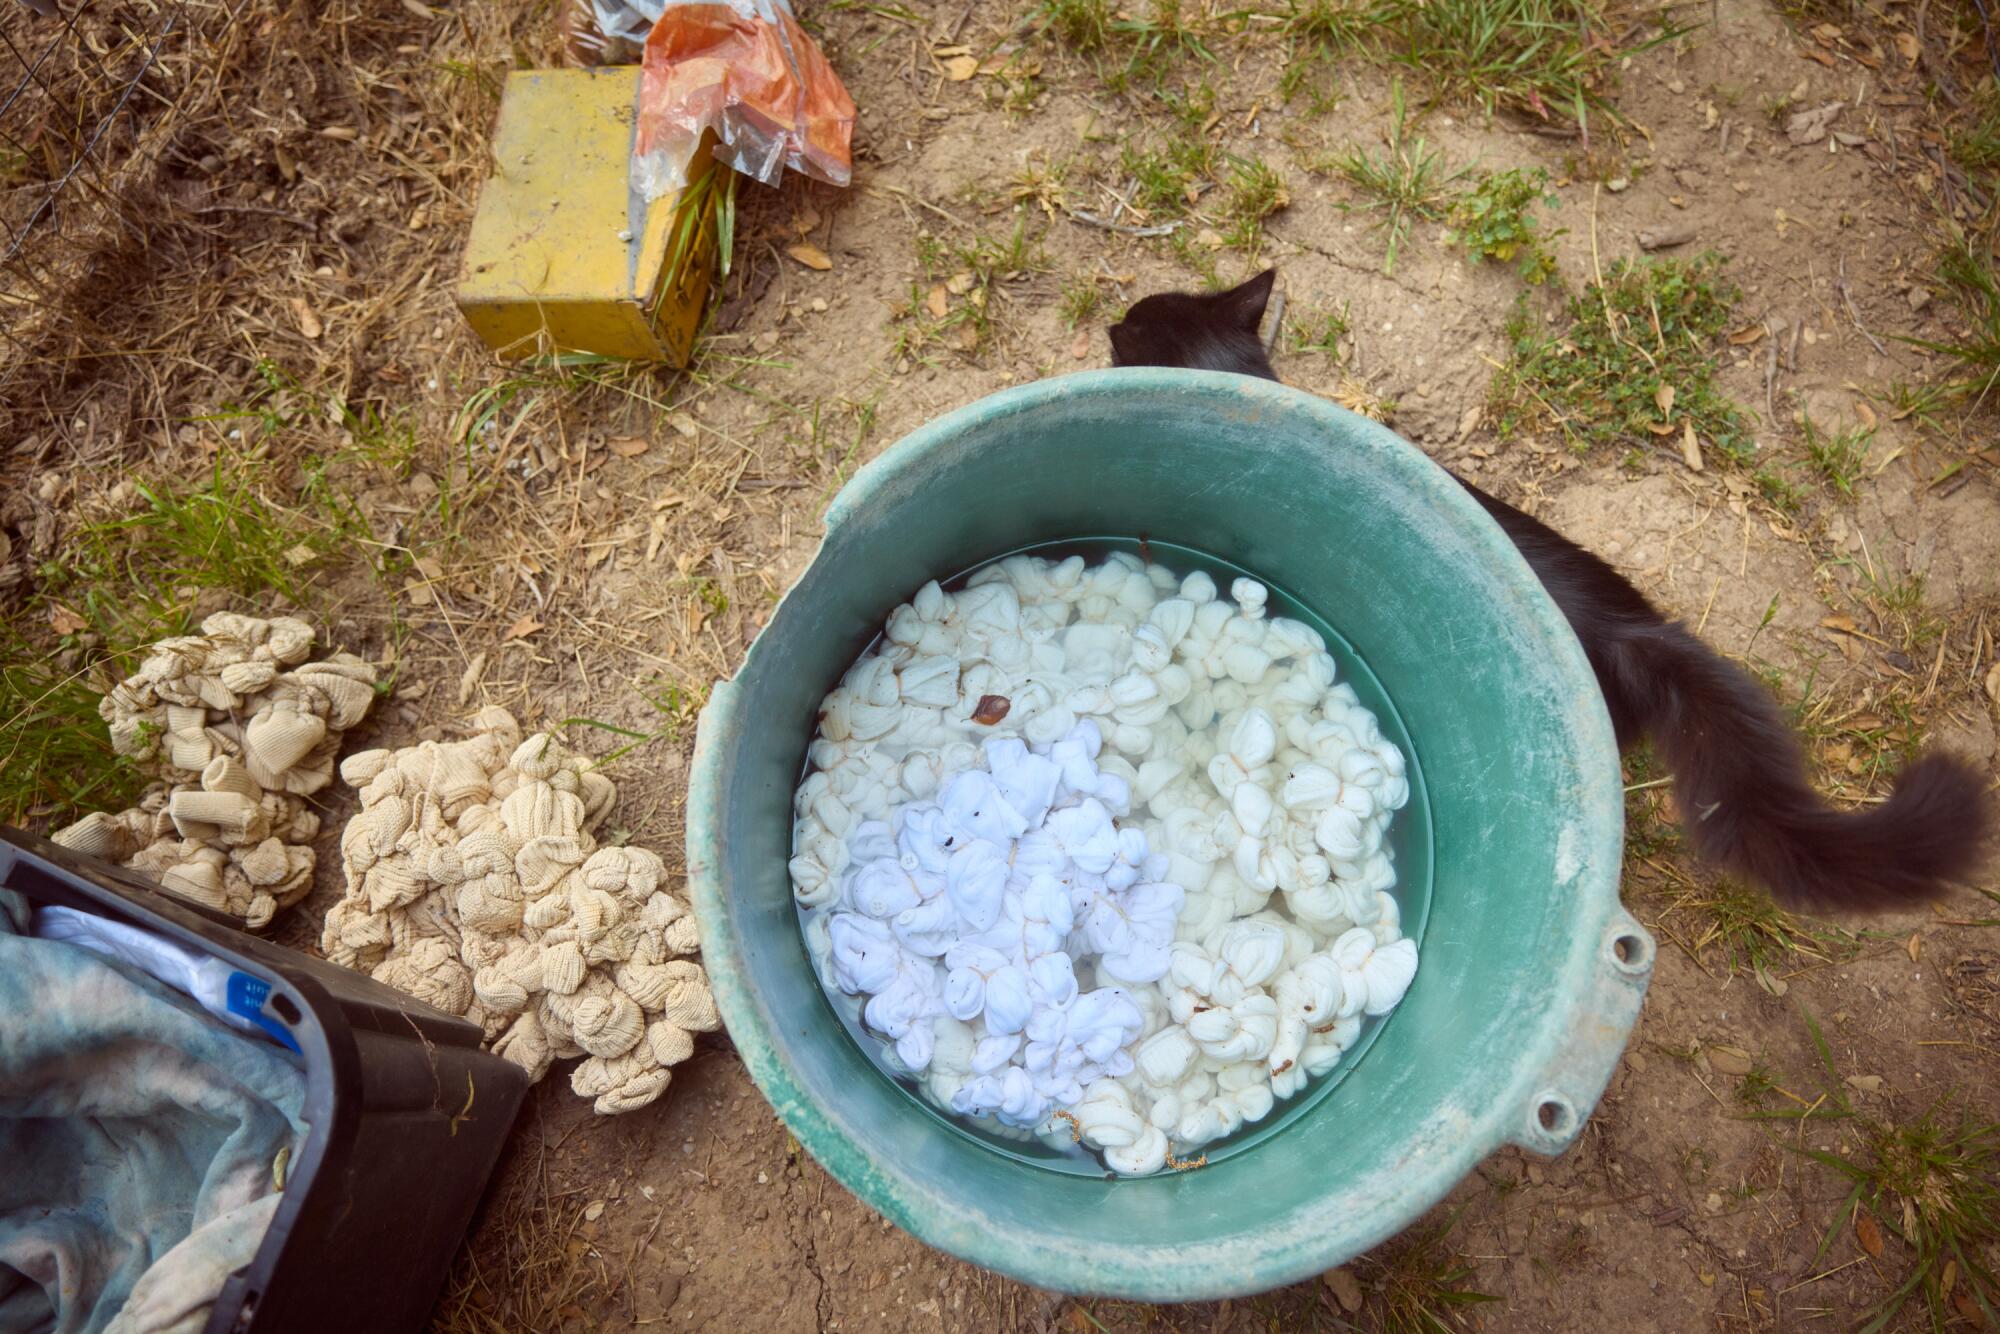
[[1531, 973]]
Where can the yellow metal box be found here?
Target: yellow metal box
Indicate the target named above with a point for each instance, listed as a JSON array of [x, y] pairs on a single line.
[[564, 256]]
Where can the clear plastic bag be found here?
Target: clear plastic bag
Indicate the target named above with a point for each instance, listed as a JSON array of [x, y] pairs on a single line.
[[744, 69]]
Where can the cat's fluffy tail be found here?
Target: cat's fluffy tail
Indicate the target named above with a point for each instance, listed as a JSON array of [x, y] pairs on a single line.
[[1739, 779]]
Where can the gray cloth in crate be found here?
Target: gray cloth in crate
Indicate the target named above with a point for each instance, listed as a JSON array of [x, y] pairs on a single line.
[[137, 1142]]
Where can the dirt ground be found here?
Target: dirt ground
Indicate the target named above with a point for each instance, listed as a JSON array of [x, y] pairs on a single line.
[[643, 526]]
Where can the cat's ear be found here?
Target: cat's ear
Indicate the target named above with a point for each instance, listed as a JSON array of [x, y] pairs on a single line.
[[1122, 351], [1243, 305]]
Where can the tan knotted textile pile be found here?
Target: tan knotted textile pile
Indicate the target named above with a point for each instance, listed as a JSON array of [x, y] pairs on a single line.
[[475, 884], [245, 728]]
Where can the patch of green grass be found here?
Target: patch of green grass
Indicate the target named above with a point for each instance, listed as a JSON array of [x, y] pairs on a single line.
[[1935, 1185], [675, 707], [1932, 1184], [1197, 257], [1966, 267], [1752, 1089], [1419, 1285], [972, 274], [1921, 403], [1082, 25], [1255, 193], [1169, 176], [1495, 220], [1750, 933], [1647, 781], [1778, 490], [1318, 33], [1899, 604], [117, 584], [1081, 298], [1975, 140], [1406, 180], [1840, 456], [55, 752], [1322, 332], [1549, 58], [1647, 329], [1165, 178], [134, 577], [1131, 46], [1155, 41]]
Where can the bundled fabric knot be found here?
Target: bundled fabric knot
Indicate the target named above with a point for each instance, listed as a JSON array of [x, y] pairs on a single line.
[[474, 881], [243, 728]]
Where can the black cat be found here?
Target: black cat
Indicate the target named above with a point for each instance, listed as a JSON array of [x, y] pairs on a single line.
[[1739, 773]]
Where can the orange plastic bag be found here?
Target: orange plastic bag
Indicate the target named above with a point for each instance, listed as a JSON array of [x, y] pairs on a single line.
[[748, 71]]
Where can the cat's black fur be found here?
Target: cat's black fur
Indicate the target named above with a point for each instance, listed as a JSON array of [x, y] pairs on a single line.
[[1739, 772]]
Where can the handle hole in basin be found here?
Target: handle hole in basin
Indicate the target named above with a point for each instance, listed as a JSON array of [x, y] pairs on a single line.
[[1632, 952], [1555, 1115]]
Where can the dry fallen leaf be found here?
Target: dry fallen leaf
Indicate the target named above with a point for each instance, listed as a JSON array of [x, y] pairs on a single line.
[[1914, 945], [1868, 1233], [810, 255], [1345, 1287], [1730, 1060], [1844, 624], [1866, 1083], [64, 621], [1663, 399], [309, 323], [967, 337], [1907, 48], [1690, 447], [1809, 127], [806, 219], [521, 629], [1747, 335], [960, 68], [683, 424], [1865, 414], [300, 556], [960, 283], [937, 302], [630, 446]]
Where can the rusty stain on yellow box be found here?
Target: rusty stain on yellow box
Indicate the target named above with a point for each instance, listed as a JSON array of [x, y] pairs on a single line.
[[563, 255]]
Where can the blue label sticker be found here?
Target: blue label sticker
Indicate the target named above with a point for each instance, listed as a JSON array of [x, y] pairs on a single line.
[[246, 997]]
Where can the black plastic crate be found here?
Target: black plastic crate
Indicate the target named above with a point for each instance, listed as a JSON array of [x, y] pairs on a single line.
[[406, 1116]]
